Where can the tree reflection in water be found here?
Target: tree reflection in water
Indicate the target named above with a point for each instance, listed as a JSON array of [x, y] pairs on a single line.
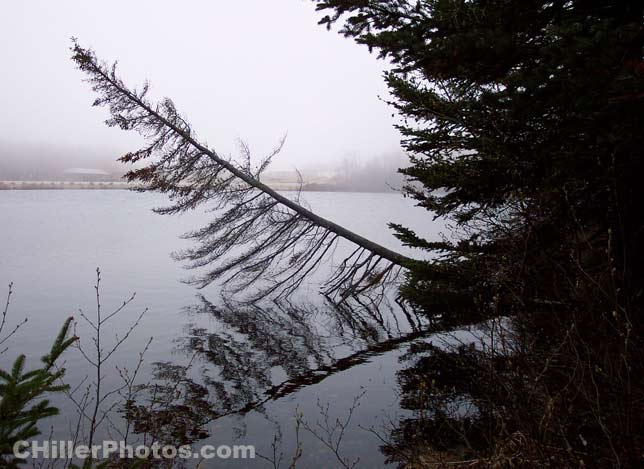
[[250, 355], [439, 388]]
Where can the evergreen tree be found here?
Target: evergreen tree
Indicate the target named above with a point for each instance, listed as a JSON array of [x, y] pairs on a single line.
[[523, 121], [22, 395], [517, 116]]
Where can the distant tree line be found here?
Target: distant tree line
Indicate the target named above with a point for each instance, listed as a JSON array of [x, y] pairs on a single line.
[[376, 174], [51, 162]]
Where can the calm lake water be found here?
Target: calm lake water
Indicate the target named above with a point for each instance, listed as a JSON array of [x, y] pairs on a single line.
[[234, 357]]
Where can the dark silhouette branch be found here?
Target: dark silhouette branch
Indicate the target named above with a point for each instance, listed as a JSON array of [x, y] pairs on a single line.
[[284, 241]]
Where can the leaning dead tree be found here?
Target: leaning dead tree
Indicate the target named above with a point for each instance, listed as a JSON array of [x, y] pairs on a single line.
[[258, 235]]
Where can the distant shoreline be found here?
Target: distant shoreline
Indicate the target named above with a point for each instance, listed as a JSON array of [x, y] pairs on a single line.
[[121, 185], [49, 185]]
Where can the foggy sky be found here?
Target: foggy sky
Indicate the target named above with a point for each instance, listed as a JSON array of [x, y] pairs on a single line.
[[249, 69]]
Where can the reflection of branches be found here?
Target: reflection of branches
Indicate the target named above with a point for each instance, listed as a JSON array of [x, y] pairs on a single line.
[[369, 319], [177, 408], [239, 359], [201, 404], [253, 341], [317, 375], [272, 238], [312, 376], [250, 344]]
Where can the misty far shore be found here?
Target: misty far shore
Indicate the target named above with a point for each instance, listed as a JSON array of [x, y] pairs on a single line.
[[319, 186], [50, 167]]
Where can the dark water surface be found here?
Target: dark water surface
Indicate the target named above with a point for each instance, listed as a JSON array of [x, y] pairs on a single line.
[[269, 361]]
